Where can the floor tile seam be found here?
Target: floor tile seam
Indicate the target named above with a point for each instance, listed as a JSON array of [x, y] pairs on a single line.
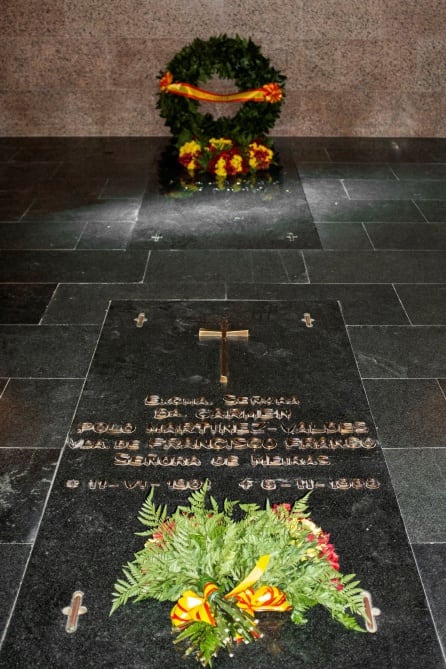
[[389, 165], [402, 378], [79, 238], [8, 379], [345, 188], [426, 596], [428, 543], [20, 218], [364, 227], [402, 305], [307, 274], [53, 295], [373, 222], [50, 488], [443, 391], [413, 449], [361, 252], [107, 181], [371, 283], [46, 378], [30, 448], [145, 270], [420, 211], [44, 325], [402, 325]]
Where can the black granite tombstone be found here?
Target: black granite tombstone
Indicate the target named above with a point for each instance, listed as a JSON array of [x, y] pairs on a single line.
[[269, 413]]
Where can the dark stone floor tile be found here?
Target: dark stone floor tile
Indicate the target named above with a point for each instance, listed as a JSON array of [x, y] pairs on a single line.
[[84, 149], [321, 190], [13, 559], [22, 303], [13, 204], [196, 215], [8, 149], [23, 176], [434, 210], [408, 236], [37, 413], [420, 171], [65, 192], [419, 481], [46, 351], [382, 189], [425, 305], [71, 208], [351, 236], [431, 560], [72, 266], [304, 148], [112, 235], [397, 150], [395, 352], [366, 211], [294, 265], [376, 266], [345, 171], [88, 303], [22, 235], [224, 265], [409, 413], [25, 478], [362, 304], [3, 384], [119, 174], [251, 227], [132, 186]]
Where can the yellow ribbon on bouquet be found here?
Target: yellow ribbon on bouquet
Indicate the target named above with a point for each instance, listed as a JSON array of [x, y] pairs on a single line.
[[192, 607], [267, 93]]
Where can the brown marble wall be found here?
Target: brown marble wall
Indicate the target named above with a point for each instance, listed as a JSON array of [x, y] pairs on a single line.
[[354, 67]]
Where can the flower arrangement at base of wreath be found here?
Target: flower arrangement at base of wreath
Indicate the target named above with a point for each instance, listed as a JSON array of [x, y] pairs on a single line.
[[227, 146], [221, 572], [223, 158]]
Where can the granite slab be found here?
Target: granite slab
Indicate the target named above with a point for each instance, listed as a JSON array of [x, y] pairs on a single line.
[[295, 366]]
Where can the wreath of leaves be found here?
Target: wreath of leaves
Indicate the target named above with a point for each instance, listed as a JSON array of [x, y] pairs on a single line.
[[230, 58]]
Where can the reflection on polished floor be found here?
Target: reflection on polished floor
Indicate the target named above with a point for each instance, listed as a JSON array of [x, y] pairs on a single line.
[[86, 221]]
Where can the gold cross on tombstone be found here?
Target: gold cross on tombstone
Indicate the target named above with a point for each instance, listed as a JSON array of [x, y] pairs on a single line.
[[74, 611], [224, 334]]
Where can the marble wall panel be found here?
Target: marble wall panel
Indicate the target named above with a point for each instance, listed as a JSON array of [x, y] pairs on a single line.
[[53, 63], [136, 63], [431, 64], [362, 113], [144, 18], [32, 17], [334, 65], [89, 67]]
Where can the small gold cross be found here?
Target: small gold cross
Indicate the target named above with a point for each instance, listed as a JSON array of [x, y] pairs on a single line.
[[370, 612], [74, 611], [223, 334], [307, 320], [140, 320]]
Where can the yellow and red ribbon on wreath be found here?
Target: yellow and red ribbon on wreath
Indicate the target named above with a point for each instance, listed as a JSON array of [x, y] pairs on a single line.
[[267, 93], [192, 607]]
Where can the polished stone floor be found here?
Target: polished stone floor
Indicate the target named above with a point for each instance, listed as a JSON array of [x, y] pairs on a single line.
[[86, 221]]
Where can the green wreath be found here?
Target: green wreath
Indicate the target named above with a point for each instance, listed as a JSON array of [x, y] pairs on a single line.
[[230, 58]]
